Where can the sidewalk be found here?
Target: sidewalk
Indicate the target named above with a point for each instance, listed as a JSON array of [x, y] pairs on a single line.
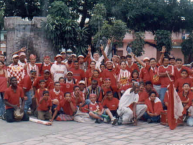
[[73, 133]]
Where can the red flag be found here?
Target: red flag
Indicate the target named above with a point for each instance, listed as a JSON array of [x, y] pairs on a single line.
[[175, 107]]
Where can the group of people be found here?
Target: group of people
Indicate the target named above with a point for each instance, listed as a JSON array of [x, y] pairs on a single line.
[[120, 90]]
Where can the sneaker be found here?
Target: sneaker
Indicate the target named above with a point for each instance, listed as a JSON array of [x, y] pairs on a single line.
[[120, 121], [98, 121], [149, 121], [114, 121]]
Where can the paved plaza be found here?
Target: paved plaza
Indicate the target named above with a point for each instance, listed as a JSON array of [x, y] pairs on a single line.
[[73, 133]]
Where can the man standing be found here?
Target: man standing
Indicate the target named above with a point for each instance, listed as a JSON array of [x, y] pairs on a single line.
[[128, 110], [58, 69], [15, 70], [12, 101], [96, 57]]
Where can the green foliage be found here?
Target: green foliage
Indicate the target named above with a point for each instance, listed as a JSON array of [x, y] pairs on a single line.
[[187, 46], [64, 31], [163, 38], [137, 44]]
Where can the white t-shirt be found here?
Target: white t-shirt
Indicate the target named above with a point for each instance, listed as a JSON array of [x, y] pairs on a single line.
[[58, 70]]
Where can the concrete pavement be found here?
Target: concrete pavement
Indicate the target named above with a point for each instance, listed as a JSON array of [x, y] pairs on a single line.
[[73, 133]]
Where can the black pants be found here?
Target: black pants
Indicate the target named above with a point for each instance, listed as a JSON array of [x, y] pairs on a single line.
[[114, 113], [9, 116]]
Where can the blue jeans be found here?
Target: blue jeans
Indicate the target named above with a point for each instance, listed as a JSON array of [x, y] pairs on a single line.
[[157, 88], [190, 121], [153, 119], [2, 105], [28, 102], [162, 95]]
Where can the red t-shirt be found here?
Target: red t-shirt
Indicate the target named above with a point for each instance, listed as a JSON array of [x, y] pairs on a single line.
[[78, 100], [145, 75], [88, 75], [39, 94], [165, 81], [133, 67], [66, 106], [44, 105], [27, 83], [13, 97], [77, 74], [111, 104], [43, 67], [154, 75], [56, 95], [180, 82], [67, 87], [178, 71], [111, 75], [49, 82]]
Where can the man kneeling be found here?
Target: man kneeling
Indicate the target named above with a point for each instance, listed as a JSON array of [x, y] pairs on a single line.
[[154, 108], [12, 102], [128, 110]]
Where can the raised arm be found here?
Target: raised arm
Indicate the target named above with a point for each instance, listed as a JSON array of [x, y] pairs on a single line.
[[21, 50], [138, 60], [103, 53], [162, 54]]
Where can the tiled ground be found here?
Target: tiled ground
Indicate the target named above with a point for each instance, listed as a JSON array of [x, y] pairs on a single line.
[[73, 133]]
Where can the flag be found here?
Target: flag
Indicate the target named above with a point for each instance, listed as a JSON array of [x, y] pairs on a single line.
[[175, 107]]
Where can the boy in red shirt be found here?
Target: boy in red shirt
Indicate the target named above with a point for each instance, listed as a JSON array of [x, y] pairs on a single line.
[[39, 92], [111, 103], [45, 107], [186, 96], [163, 71], [181, 81], [56, 96], [154, 108], [144, 73], [130, 65], [78, 74], [96, 110], [78, 96], [28, 88], [48, 81], [12, 101], [68, 105]]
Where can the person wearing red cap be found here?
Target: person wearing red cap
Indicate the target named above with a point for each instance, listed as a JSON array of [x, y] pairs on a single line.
[[32, 65], [15, 70], [45, 65], [58, 69]]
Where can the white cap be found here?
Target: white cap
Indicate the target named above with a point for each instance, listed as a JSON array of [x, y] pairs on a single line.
[[15, 55], [74, 54], [69, 50], [146, 58], [81, 82]]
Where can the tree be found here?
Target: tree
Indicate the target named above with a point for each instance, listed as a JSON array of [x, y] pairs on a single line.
[[187, 48], [163, 38], [137, 44], [62, 30]]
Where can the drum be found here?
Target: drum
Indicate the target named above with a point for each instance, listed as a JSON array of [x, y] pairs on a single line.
[[164, 118], [18, 115]]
